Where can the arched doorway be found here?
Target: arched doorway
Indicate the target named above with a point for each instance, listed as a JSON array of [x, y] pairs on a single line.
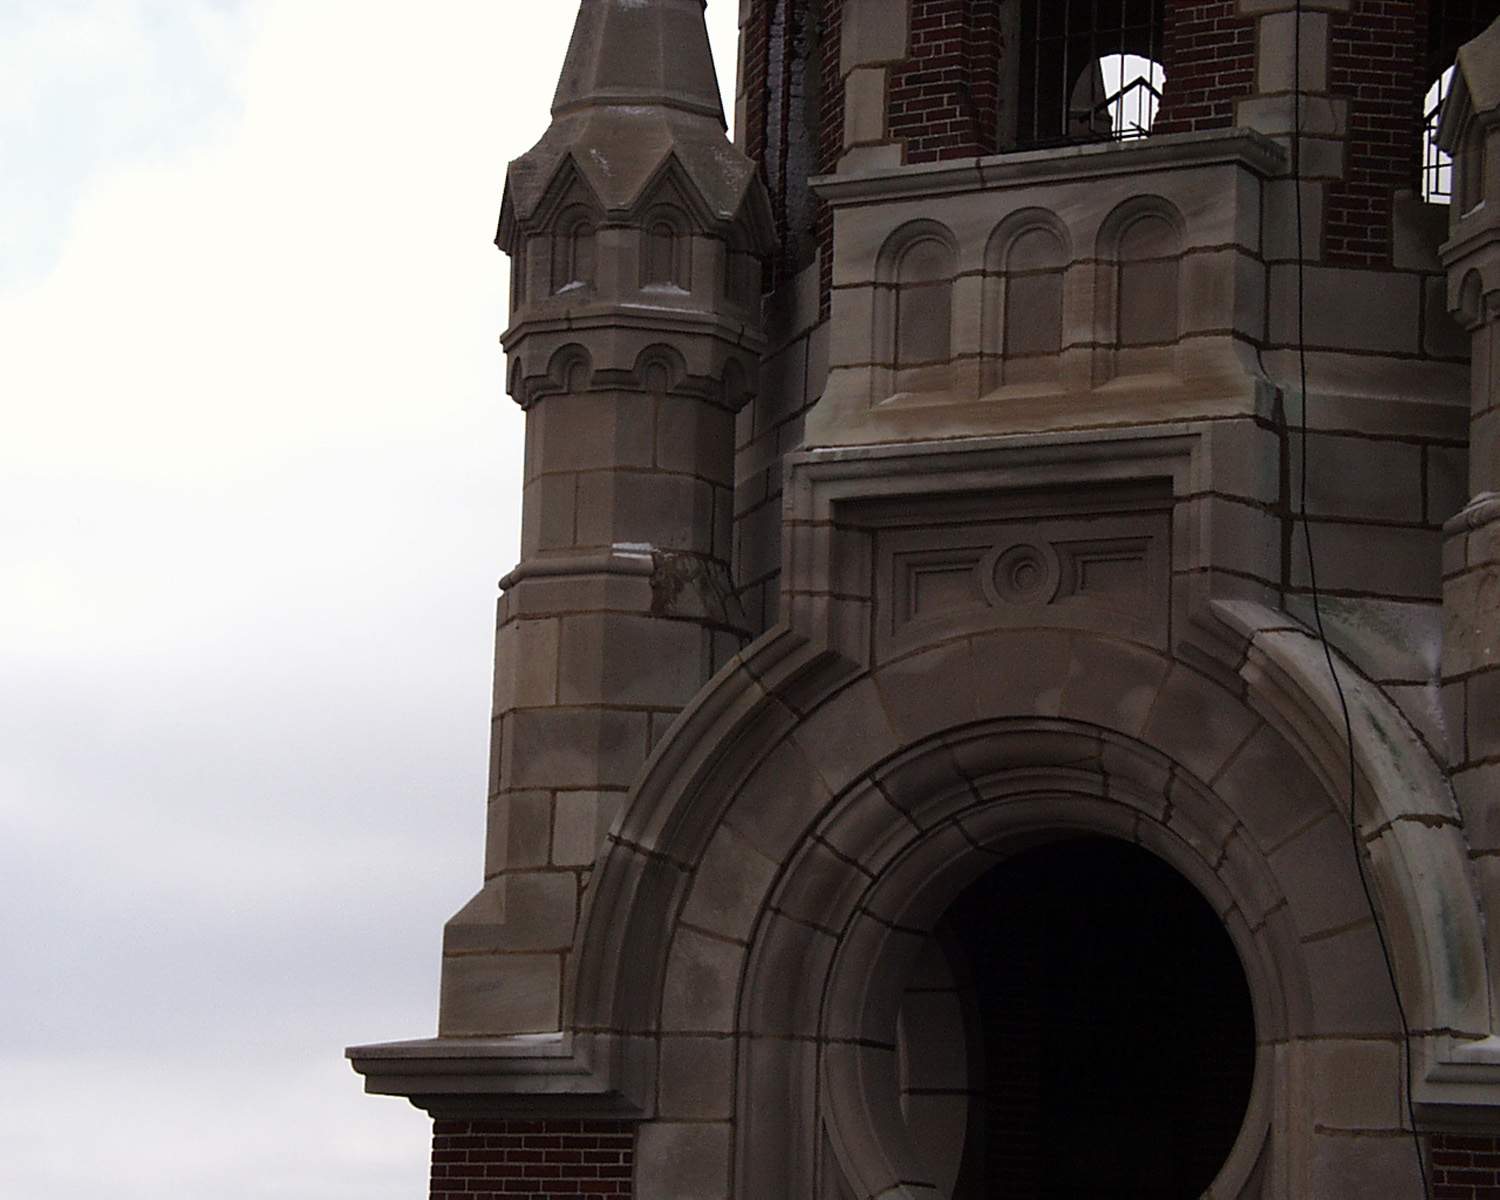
[[1106, 1025]]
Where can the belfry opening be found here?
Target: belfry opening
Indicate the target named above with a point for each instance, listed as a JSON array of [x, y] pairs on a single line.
[[1081, 1027]]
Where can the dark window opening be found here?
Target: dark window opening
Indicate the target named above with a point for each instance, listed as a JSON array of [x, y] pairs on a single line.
[[1114, 1027], [1090, 70]]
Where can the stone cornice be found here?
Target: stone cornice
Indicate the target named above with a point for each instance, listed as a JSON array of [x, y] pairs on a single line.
[[1245, 147]]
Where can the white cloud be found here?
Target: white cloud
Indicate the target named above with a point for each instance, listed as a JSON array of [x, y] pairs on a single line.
[[257, 479]]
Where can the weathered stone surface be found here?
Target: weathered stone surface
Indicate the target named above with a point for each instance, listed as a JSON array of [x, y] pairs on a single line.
[[1012, 446]]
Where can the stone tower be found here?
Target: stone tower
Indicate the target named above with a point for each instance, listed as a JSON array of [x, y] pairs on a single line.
[[1000, 691]]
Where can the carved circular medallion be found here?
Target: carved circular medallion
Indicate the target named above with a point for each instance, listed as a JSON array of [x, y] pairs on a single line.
[[1024, 576]]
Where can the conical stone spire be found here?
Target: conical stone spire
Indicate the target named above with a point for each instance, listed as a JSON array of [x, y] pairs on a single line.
[[638, 88], [640, 52]]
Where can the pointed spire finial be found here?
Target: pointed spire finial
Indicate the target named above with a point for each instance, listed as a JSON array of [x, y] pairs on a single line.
[[640, 52]]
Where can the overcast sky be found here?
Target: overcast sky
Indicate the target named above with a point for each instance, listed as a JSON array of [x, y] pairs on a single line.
[[258, 477]]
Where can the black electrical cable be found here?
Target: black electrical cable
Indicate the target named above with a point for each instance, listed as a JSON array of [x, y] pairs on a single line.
[[1317, 600]]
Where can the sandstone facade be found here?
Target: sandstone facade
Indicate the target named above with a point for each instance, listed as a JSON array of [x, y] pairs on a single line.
[[968, 719]]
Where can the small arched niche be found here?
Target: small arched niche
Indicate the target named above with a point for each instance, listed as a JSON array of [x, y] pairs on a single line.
[[1080, 1025], [573, 251], [1030, 259], [665, 247], [920, 332], [1148, 256]]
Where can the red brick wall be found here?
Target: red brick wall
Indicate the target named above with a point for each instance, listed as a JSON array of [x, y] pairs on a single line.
[[757, 67], [531, 1160], [944, 100], [833, 135], [1375, 62], [1465, 1167], [1209, 57]]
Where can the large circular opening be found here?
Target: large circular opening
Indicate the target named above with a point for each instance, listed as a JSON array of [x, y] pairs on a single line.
[[1081, 1027]]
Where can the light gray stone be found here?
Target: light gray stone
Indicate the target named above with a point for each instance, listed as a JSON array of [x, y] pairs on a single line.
[[493, 994], [683, 1161]]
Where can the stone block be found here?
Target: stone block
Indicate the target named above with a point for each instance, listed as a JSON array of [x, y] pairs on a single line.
[[874, 31], [1375, 560], [695, 1079], [581, 823], [847, 734], [573, 748], [1322, 116], [694, 438], [525, 911], [729, 887], [932, 1024], [798, 957], [1351, 992], [852, 334], [1197, 723], [1244, 460], [1355, 1084], [868, 829], [549, 519], [939, 1127], [1020, 674], [1280, 233], [683, 1161], [495, 994], [654, 508], [1470, 602], [1276, 53], [1442, 336], [779, 802], [535, 663], [617, 658], [1316, 871], [1348, 309], [1447, 482], [783, 387], [1478, 791], [1362, 1166], [864, 106], [820, 888], [1112, 684], [1483, 706], [702, 983], [1359, 477], [917, 708], [1270, 789], [519, 831], [590, 432]]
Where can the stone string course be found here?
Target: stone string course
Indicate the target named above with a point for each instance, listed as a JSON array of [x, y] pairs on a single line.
[[531, 1160]]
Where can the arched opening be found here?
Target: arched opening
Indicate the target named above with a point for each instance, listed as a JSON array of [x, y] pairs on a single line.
[[1098, 1030], [1089, 72]]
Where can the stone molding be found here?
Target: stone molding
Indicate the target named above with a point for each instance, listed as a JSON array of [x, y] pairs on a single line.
[[540, 1074]]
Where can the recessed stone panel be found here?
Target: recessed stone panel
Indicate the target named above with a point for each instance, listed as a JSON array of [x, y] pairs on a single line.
[[968, 564]]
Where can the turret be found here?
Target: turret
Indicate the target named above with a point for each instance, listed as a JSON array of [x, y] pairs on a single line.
[[636, 233]]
